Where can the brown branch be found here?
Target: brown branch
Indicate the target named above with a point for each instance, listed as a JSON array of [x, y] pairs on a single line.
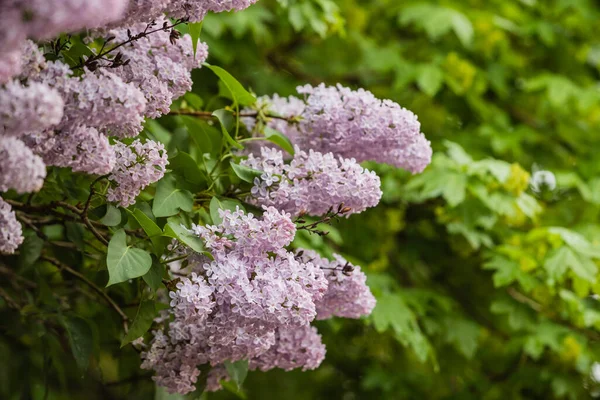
[[9, 300], [253, 114], [92, 62], [81, 277], [12, 274]]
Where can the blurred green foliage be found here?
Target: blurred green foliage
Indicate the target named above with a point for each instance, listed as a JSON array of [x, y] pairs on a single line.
[[486, 288]]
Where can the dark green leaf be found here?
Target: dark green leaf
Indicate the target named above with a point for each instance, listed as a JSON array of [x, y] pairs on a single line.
[[112, 216], [125, 262], [240, 95], [169, 199], [244, 173], [142, 322], [227, 121], [154, 276], [80, 339], [194, 29], [279, 139], [152, 230], [237, 371], [176, 230], [221, 203]]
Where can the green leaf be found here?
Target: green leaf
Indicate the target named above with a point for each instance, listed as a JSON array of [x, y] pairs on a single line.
[[175, 230], [392, 311], [239, 94], [125, 262], [206, 137], [152, 230], [194, 100], [463, 28], [169, 199], [221, 203], [226, 120], [244, 173], [464, 335], [75, 233], [430, 79], [237, 371], [194, 29], [81, 340], [153, 277], [30, 250], [279, 139], [187, 167], [142, 322], [112, 216], [162, 394]]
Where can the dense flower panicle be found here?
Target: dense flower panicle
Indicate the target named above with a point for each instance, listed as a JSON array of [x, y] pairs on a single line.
[[252, 237], [347, 294], [352, 124], [158, 67], [137, 166], [192, 300], [28, 108], [100, 99], [81, 148], [296, 347], [147, 10], [312, 183], [20, 168], [232, 307], [11, 232], [45, 19], [10, 65], [197, 9]]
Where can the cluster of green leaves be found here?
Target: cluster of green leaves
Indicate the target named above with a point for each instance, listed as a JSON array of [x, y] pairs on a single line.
[[87, 281], [485, 288]]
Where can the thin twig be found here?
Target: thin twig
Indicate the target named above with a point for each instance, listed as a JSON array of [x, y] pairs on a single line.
[[92, 285], [9, 300], [209, 115], [92, 62]]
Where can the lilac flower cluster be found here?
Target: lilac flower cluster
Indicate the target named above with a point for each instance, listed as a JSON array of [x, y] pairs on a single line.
[[66, 119], [81, 148], [28, 108], [44, 19], [161, 69], [351, 124], [137, 166], [195, 10], [347, 294], [11, 233], [312, 183], [20, 169], [255, 300]]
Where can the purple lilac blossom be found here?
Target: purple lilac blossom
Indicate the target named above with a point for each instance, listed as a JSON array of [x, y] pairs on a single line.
[[347, 293], [312, 183], [162, 70], [20, 168], [351, 124], [28, 108], [11, 232], [137, 166], [235, 306], [81, 148]]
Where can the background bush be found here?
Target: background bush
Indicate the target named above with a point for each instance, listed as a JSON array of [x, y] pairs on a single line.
[[486, 288]]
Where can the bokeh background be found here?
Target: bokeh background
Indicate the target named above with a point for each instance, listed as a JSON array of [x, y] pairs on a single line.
[[485, 266], [485, 272]]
